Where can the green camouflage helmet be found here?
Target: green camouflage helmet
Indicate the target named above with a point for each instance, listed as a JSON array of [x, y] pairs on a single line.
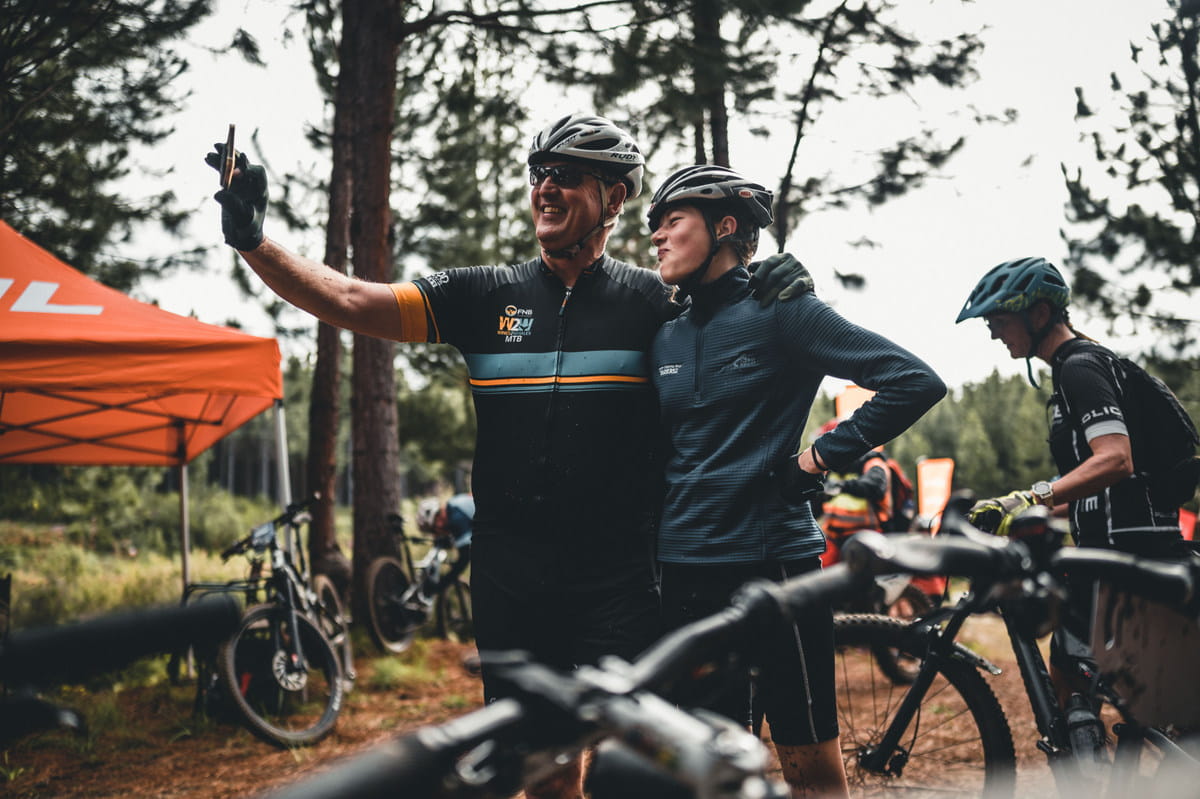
[[1015, 286]]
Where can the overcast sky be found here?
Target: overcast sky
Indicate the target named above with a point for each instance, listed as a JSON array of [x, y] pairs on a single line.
[[1001, 198]]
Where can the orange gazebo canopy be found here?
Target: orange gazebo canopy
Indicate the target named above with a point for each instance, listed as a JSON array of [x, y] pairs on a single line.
[[91, 376]]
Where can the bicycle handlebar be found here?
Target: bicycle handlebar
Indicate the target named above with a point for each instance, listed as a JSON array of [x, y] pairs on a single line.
[[875, 554], [1174, 584], [295, 513], [549, 711], [416, 763], [48, 655]]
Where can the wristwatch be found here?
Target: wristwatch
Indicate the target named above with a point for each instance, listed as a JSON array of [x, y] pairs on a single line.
[[1043, 493]]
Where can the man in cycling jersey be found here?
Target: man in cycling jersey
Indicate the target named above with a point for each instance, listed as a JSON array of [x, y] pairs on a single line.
[[736, 382], [567, 471], [1024, 303]]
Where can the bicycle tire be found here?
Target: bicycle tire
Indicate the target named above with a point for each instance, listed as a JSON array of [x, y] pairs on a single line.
[[959, 742], [334, 622], [252, 669], [453, 617], [897, 666], [391, 624]]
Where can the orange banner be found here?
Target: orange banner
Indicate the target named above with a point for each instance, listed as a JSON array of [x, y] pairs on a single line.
[[934, 478], [851, 398]]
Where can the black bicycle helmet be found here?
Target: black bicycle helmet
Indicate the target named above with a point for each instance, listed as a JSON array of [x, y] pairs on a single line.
[[594, 141], [1014, 286], [705, 183], [716, 191]]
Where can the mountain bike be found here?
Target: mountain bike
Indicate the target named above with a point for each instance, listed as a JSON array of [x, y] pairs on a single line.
[[947, 731], [403, 593], [286, 668], [41, 657], [648, 746]]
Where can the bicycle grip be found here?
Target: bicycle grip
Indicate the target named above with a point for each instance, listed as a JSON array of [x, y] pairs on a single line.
[[417, 764], [404, 766], [72, 652]]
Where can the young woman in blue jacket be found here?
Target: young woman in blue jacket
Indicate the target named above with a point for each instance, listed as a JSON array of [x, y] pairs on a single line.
[[735, 382]]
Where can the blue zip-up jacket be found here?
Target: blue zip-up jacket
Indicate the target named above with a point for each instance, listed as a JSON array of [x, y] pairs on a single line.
[[735, 384]]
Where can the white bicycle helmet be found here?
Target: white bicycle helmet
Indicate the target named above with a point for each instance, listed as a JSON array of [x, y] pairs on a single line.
[[427, 511], [594, 141]]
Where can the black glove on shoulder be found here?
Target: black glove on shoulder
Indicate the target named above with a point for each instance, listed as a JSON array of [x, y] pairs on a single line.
[[778, 276], [244, 203]]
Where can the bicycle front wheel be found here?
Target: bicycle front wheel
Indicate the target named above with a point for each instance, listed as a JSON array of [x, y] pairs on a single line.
[[280, 703], [393, 620], [958, 743], [454, 619]]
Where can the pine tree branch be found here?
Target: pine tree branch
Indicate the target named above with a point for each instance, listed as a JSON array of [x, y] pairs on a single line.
[[802, 120], [496, 20]]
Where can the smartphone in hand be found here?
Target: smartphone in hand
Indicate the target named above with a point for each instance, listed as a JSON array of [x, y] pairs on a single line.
[[230, 156]]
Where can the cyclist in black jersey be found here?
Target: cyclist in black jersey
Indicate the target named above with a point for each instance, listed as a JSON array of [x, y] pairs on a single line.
[[566, 462], [1025, 305]]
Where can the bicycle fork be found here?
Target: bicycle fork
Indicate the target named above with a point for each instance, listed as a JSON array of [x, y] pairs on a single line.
[[294, 669], [889, 757]]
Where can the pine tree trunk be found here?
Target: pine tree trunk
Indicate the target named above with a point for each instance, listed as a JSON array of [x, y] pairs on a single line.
[[369, 31], [325, 555], [710, 81]]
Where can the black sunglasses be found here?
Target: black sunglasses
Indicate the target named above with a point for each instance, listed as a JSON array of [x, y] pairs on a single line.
[[564, 176]]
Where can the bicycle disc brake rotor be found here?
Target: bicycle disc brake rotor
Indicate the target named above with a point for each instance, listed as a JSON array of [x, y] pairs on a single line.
[[288, 679]]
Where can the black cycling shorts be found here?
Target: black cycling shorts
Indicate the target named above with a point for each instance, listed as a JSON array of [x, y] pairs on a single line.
[[563, 628], [794, 686]]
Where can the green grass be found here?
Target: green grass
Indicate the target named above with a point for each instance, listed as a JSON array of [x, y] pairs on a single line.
[[59, 582]]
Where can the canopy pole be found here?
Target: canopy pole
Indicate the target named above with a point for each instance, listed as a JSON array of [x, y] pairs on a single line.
[[281, 457], [185, 536]]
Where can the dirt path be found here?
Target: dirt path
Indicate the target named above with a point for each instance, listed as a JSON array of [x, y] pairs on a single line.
[[152, 748]]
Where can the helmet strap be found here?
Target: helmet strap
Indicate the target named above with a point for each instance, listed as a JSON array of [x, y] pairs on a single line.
[[1036, 337], [693, 281], [604, 221]]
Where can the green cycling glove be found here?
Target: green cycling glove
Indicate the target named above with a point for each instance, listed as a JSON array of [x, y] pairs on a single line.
[[996, 514], [778, 276], [244, 203]]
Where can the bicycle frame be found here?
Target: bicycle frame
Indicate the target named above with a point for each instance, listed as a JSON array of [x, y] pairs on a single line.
[[1022, 610]]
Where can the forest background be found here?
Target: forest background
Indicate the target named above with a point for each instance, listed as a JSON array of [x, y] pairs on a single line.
[[425, 113]]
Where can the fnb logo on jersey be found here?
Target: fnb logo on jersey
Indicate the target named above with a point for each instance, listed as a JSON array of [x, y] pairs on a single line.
[[515, 323]]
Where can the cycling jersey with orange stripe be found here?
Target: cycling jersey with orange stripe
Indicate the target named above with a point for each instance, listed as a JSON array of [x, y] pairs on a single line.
[[567, 442]]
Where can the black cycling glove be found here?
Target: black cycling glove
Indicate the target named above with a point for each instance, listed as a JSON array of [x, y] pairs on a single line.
[[778, 276], [244, 203], [796, 485]]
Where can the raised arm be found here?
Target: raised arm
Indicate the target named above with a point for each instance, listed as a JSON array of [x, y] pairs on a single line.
[[343, 301], [329, 295]]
